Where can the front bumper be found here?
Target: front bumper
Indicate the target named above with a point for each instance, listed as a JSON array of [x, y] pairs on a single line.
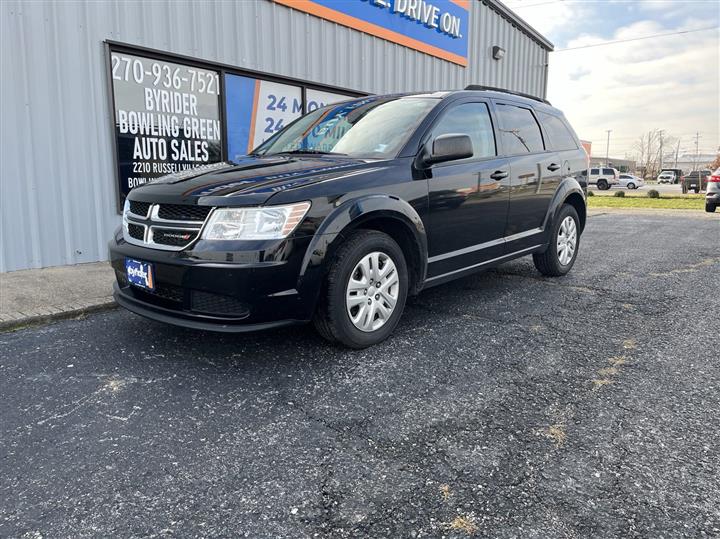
[[197, 289]]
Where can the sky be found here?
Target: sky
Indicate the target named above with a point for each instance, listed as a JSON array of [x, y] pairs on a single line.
[[670, 83]]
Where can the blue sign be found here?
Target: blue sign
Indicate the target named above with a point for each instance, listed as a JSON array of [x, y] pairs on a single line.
[[435, 27]]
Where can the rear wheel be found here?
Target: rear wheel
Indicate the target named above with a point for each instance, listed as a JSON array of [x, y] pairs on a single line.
[[710, 208], [365, 291], [603, 185], [562, 250], [631, 185]]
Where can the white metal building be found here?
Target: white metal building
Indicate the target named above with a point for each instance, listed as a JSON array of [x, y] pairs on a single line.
[[81, 77]]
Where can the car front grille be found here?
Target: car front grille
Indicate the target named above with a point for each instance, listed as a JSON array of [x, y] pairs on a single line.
[[139, 208], [168, 297], [183, 212], [175, 237], [170, 293], [170, 227], [136, 232], [205, 302]]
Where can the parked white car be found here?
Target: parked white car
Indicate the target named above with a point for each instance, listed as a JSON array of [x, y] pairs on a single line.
[[630, 181], [666, 177]]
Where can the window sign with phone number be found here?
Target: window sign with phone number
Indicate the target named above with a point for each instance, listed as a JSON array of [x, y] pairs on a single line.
[[167, 118]]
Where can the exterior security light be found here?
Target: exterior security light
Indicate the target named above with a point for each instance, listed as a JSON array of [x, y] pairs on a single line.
[[498, 52]]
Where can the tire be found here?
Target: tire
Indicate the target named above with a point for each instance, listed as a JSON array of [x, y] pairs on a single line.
[[710, 208], [333, 316], [696, 190], [631, 185], [549, 262], [603, 185]]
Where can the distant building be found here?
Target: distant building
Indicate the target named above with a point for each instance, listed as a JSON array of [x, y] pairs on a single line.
[[623, 165], [687, 162]]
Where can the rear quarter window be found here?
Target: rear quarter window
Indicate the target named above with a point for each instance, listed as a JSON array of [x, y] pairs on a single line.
[[608, 171], [520, 130], [558, 133]]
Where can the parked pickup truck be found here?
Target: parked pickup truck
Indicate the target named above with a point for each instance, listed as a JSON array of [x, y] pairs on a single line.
[[695, 180]]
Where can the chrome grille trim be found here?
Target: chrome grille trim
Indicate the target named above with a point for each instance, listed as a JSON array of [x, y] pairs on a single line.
[[154, 222]]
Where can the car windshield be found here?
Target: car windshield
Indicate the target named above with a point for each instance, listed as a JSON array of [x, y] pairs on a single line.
[[369, 128]]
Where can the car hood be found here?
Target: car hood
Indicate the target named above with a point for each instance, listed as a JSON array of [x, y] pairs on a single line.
[[249, 181]]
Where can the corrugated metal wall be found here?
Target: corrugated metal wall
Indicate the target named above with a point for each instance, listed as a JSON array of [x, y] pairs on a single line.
[[57, 191]]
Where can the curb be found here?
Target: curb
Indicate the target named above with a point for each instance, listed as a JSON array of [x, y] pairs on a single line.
[[18, 320]]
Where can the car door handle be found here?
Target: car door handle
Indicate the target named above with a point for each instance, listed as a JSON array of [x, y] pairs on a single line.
[[553, 167], [499, 175]]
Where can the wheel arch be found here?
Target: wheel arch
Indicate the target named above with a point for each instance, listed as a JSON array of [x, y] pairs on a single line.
[[571, 193], [384, 213]]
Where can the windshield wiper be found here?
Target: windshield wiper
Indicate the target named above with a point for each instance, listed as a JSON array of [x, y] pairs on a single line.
[[310, 151]]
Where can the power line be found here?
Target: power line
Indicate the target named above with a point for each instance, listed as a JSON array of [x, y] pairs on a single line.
[[521, 6], [636, 39]]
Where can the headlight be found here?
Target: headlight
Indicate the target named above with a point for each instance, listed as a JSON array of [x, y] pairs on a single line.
[[267, 223]]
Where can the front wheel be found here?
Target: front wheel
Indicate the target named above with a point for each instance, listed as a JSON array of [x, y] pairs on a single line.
[[562, 250], [710, 208], [631, 185], [365, 291]]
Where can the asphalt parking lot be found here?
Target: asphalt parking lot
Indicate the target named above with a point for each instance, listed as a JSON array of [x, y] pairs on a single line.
[[506, 405]]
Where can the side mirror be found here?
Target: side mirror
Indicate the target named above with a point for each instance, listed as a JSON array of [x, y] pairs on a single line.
[[449, 148]]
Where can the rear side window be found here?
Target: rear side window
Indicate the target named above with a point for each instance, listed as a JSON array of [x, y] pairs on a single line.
[[472, 119], [560, 137], [608, 171], [520, 130], [595, 171]]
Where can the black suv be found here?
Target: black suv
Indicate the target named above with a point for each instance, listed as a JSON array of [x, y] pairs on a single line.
[[346, 211]]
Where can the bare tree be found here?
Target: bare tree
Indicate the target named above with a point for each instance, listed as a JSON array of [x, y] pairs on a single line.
[[715, 164], [650, 149]]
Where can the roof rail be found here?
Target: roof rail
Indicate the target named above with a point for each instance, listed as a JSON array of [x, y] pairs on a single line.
[[503, 90]]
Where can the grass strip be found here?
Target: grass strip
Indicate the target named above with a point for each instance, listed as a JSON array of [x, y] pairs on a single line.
[[663, 203]]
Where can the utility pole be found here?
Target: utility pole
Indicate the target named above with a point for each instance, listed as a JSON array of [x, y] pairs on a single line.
[[677, 151], [661, 149], [607, 149], [697, 151]]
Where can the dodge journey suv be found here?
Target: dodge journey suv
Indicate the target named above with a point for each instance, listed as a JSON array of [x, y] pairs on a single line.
[[340, 216]]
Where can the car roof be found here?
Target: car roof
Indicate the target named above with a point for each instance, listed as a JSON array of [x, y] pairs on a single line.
[[485, 91]]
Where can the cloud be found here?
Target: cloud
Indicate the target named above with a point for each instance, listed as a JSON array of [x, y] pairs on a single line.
[[545, 16], [670, 83]]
